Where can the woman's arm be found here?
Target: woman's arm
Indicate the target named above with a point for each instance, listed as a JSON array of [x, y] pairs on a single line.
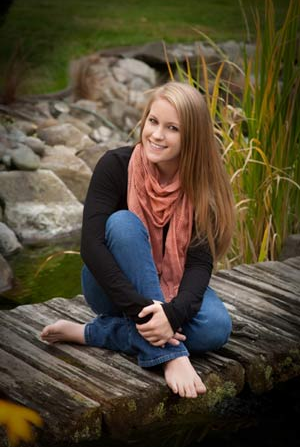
[[196, 276], [168, 318], [106, 194]]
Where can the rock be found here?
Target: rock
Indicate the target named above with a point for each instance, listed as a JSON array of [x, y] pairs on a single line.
[[43, 124], [2, 129], [139, 84], [102, 134], [6, 276], [9, 244], [291, 247], [27, 127], [137, 99], [25, 159], [36, 145], [2, 150], [61, 107], [78, 123], [16, 136], [133, 67], [38, 206], [118, 111], [93, 154], [72, 170], [65, 134], [6, 159]]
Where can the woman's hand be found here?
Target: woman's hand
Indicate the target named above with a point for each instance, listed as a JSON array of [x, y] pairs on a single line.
[[158, 330]]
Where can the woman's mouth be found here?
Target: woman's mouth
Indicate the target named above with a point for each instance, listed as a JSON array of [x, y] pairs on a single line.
[[157, 146]]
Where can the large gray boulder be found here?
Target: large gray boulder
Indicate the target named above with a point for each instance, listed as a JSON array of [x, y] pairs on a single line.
[[9, 244], [72, 170], [38, 206], [65, 134]]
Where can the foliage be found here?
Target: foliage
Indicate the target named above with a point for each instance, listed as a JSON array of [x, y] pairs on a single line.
[[17, 420], [259, 132]]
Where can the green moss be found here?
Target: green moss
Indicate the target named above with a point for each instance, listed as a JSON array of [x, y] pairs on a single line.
[[217, 395], [86, 432], [159, 411], [268, 373], [131, 404]]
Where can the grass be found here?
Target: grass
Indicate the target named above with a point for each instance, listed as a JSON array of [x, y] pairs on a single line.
[[51, 33], [260, 137]]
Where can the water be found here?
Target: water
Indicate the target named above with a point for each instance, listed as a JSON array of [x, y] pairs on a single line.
[[42, 273]]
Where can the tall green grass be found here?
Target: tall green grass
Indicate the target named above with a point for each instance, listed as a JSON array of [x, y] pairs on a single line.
[[259, 135]]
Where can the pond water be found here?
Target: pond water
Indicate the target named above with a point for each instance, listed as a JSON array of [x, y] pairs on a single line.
[[42, 273]]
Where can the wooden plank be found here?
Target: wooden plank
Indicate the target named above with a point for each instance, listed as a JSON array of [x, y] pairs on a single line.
[[55, 402], [268, 278], [94, 361], [293, 262], [282, 270], [283, 298], [255, 305]]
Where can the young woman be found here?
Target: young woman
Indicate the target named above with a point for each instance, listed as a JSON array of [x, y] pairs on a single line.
[[156, 217]]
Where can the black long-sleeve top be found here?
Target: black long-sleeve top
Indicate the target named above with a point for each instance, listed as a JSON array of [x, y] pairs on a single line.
[[107, 193]]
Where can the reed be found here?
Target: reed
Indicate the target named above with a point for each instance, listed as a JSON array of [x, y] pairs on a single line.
[[258, 131]]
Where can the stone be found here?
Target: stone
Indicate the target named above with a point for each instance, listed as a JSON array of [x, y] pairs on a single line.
[[139, 85], [65, 134], [72, 170], [16, 136], [25, 159], [36, 145], [6, 276], [61, 107], [78, 123], [27, 127], [3, 149], [6, 159], [2, 129], [92, 155], [291, 247], [138, 68], [38, 206], [9, 244]]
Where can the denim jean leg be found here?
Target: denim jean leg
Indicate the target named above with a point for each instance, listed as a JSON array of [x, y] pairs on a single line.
[[210, 329], [95, 296], [127, 239]]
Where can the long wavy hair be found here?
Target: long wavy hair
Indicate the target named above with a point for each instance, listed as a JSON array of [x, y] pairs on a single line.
[[202, 173]]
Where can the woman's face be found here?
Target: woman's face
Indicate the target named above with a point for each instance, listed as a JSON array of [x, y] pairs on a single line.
[[161, 137]]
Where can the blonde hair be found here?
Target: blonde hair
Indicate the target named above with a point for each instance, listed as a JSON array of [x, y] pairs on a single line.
[[202, 173]]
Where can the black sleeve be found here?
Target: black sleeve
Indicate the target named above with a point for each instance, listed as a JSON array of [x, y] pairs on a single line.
[[196, 276], [106, 194]]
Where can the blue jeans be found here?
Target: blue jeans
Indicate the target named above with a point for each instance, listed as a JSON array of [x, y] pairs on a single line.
[[128, 241]]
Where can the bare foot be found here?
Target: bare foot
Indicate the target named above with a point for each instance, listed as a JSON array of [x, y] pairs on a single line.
[[182, 378], [64, 330]]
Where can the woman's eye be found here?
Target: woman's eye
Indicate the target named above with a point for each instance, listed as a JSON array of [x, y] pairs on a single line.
[[152, 120], [174, 128]]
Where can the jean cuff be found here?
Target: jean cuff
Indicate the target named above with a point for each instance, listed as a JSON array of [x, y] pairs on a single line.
[[162, 358]]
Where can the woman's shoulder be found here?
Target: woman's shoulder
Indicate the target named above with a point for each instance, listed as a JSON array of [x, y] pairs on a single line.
[[114, 161], [122, 154]]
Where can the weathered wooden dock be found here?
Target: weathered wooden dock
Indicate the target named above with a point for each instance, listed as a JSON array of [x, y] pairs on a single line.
[[83, 392]]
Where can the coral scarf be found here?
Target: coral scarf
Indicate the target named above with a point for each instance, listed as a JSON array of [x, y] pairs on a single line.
[[156, 206]]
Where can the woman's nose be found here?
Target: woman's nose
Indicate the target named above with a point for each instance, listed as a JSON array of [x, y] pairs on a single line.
[[158, 133]]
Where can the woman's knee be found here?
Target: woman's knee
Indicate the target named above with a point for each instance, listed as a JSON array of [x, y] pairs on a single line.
[[124, 227], [211, 328]]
